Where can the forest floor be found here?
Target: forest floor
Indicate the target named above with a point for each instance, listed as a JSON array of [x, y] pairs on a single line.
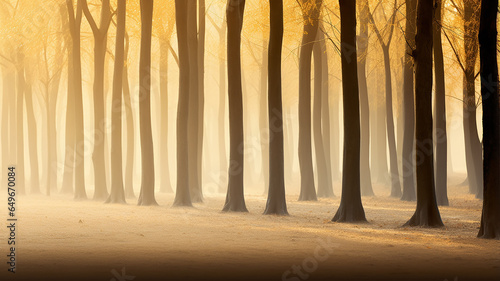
[[62, 239]]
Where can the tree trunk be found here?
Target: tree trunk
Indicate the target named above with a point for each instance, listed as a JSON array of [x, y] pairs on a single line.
[[490, 219], [325, 188], [427, 213], [366, 179], [129, 166], [182, 194], [8, 119], [473, 150], [70, 142], [408, 163], [165, 185], [380, 169], [311, 21], [263, 116], [147, 194], [351, 208], [235, 200], [117, 194], [32, 135], [222, 107], [21, 88], [276, 201], [201, 92], [194, 181], [391, 136], [441, 168]]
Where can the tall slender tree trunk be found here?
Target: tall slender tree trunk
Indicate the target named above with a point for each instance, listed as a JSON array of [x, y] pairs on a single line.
[[32, 135], [201, 91], [192, 33], [21, 88], [147, 194], [408, 163], [441, 163], [366, 178], [129, 165], [70, 142], [311, 21], [117, 194], [427, 213], [8, 118], [490, 219], [325, 188], [473, 152], [351, 208], [165, 185], [391, 136], [235, 200], [182, 194], [276, 201], [380, 168], [221, 118], [264, 116], [335, 131]]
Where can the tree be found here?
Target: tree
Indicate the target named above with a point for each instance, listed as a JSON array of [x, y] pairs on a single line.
[[32, 132], [100, 46], [129, 165], [117, 194], [490, 219], [363, 38], [310, 14], [193, 119], [441, 160], [391, 138], [351, 208], [427, 213], [325, 188], [408, 168], [147, 194], [201, 91], [182, 195], [235, 200], [21, 88], [276, 201]]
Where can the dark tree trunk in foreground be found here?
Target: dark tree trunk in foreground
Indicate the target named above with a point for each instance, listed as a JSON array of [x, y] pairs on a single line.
[[201, 92], [79, 153], [408, 168], [351, 208], [276, 201], [235, 200], [366, 178], [441, 160], [325, 188], [182, 194], [147, 194], [473, 149], [129, 165], [193, 119], [427, 213], [490, 219], [311, 21], [117, 194]]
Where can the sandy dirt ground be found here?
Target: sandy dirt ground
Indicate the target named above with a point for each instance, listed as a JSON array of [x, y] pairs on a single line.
[[62, 239]]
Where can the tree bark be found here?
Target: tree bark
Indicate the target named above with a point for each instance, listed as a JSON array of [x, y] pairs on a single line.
[[129, 165], [490, 219], [264, 116], [276, 201], [325, 188], [366, 178], [117, 194], [201, 92], [427, 213], [222, 106], [311, 21], [32, 135], [182, 195], [235, 201], [21, 88], [147, 193], [441, 163], [351, 208], [192, 27], [408, 163]]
